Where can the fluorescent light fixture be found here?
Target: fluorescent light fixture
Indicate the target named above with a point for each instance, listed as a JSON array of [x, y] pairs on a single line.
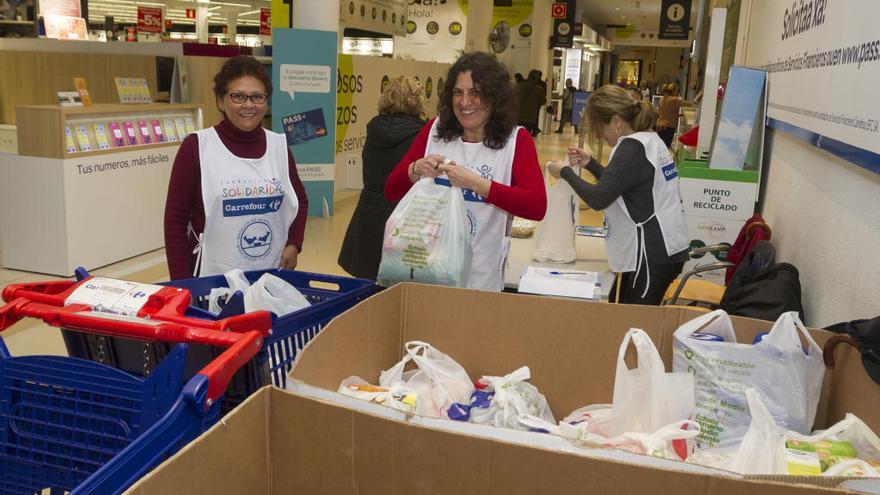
[[250, 12]]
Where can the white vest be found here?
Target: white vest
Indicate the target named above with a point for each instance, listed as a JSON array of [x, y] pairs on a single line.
[[489, 225], [249, 206], [625, 252]]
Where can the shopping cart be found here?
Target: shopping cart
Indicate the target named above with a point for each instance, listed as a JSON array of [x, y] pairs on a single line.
[[329, 295], [71, 425]]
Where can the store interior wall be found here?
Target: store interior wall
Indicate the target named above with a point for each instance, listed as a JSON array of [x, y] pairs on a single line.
[[659, 64], [823, 212]]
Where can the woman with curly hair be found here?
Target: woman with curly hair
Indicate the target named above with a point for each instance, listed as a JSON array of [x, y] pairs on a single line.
[[474, 142]]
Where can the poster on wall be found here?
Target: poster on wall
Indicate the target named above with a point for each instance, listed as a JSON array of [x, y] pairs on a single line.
[[434, 32], [378, 16], [149, 19], [823, 60], [361, 82], [303, 103], [511, 35]]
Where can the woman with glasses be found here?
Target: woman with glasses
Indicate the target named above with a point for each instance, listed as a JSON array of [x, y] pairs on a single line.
[[473, 142], [235, 199]]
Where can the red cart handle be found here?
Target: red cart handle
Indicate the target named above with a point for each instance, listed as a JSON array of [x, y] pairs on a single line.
[[160, 320]]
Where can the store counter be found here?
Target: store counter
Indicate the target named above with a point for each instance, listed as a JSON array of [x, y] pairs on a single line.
[[590, 256]]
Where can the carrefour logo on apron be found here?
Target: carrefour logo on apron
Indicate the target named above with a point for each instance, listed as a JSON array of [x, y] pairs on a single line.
[[669, 171], [255, 239]]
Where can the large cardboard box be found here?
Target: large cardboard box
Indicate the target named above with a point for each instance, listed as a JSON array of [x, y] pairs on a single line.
[[312, 440]]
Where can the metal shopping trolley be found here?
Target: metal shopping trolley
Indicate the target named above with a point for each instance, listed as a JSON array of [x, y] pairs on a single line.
[[72, 425], [329, 296]]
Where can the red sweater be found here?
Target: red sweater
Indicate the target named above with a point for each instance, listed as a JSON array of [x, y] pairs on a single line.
[[184, 204], [525, 197]]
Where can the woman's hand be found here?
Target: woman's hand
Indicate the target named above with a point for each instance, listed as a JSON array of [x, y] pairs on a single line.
[[289, 257], [578, 157], [554, 167], [465, 178], [428, 166]]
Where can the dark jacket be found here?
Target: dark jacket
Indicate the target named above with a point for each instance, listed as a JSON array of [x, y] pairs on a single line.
[[388, 139], [530, 96]]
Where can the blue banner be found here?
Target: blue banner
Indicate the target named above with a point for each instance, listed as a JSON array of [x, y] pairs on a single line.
[[303, 101], [578, 104]]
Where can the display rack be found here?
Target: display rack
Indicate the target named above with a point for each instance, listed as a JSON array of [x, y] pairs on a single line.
[[42, 128]]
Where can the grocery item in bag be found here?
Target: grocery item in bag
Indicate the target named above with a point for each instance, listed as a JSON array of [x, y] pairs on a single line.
[[787, 374], [505, 399], [427, 238]]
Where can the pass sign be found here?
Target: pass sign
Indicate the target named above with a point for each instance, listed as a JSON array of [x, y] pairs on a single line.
[[149, 20], [559, 10]]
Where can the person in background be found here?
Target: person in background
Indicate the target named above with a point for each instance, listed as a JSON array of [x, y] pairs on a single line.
[[518, 78], [531, 96], [647, 238], [645, 89], [475, 143], [668, 110], [389, 136], [635, 93], [567, 105], [234, 196]]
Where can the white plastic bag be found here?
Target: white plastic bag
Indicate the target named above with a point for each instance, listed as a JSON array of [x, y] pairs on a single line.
[[437, 382], [513, 398], [647, 398], [787, 374], [555, 234], [848, 448], [270, 293], [400, 397], [427, 238]]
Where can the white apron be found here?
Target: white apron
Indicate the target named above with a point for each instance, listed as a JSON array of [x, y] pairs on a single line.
[[489, 225], [249, 206], [625, 244]]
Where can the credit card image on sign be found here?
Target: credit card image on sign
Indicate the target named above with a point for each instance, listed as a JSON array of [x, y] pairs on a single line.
[[305, 126]]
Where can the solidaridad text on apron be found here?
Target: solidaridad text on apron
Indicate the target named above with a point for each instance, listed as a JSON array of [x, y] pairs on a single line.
[[249, 206]]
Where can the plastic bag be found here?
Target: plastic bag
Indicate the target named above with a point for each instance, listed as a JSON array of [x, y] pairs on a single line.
[[555, 234], [511, 398], [848, 448], [787, 374], [427, 238], [647, 398], [273, 294], [437, 382], [268, 293]]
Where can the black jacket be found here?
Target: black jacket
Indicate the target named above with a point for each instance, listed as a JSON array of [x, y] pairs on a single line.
[[388, 139]]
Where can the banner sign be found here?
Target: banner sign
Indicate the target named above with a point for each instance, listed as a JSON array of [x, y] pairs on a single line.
[[563, 28], [265, 21], [149, 19], [378, 16], [303, 104], [823, 59], [434, 32], [675, 20]]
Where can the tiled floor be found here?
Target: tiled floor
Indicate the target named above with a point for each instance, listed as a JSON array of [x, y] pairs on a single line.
[[321, 247]]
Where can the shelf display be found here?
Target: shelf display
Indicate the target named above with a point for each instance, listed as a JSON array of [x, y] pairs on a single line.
[[42, 129]]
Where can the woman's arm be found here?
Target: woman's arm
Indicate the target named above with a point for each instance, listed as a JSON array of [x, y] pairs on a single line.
[[184, 188], [526, 196], [629, 168], [297, 229]]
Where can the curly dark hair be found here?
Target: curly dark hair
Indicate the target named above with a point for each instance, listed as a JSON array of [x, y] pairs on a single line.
[[237, 67], [496, 90]]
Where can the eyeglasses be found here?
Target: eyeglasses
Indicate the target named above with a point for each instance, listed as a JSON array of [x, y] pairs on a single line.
[[256, 98], [473, 93]]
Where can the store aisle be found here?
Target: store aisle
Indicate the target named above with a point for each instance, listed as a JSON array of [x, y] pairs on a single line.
[[323, 238]]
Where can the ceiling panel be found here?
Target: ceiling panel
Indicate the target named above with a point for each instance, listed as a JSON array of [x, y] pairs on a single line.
[[637, 12]]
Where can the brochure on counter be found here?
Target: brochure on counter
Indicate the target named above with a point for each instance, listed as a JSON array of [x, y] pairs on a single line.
[[559, 281]]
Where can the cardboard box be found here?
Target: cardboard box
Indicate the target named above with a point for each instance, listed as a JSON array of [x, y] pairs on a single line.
[[283, 442]]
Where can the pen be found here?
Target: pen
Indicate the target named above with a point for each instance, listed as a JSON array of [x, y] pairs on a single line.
[[567, 273]]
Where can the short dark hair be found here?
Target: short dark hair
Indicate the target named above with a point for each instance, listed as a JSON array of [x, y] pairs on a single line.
[[496, 90], [240, 66]]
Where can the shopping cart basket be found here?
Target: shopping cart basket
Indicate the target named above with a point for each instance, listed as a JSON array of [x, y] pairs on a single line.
[[329, 295], [68, 424]]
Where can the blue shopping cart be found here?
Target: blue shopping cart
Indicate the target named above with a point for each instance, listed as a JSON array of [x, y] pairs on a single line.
[[72, 425], [329, 296]]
